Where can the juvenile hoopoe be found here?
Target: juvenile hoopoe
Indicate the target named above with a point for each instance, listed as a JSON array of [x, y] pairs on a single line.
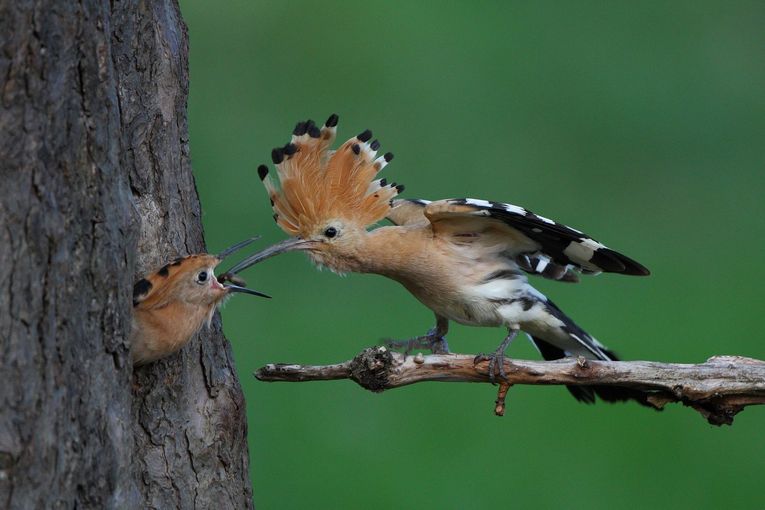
[[173, 303], [465, 259]]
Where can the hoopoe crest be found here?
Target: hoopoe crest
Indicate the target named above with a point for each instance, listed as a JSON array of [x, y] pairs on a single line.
[[326, 194]]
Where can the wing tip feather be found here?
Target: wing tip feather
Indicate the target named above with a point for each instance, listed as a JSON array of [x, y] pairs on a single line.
[[614, 262]]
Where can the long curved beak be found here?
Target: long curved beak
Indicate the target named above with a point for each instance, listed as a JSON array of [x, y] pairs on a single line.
[[244, 290], [238, 285], [294, 243], [238, 246]]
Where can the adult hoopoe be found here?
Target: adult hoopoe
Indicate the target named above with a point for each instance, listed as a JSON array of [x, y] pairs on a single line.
[[171, 304], [465, 259]]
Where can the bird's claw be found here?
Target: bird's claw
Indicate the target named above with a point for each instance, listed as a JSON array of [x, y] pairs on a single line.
[[436, 344], [496, 365], [403, 346]]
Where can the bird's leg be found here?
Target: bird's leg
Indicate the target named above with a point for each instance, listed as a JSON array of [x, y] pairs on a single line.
[[434, 340], [497, 358], [437, 336]]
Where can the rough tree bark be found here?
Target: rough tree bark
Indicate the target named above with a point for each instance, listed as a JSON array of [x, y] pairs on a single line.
[[96, 189]]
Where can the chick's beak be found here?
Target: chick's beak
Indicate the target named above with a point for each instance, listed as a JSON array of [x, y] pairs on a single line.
[[228, 281], [231, 288], [221, 283], [292, 244]]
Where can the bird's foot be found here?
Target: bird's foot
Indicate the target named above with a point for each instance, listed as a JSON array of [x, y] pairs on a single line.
[[497, 358], [434, 343], [496, 364], [438, 344]]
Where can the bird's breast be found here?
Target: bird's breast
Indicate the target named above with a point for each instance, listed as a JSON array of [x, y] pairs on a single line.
[[469, 293]]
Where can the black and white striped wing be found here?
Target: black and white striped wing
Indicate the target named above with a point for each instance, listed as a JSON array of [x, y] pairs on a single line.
[[539, 245]]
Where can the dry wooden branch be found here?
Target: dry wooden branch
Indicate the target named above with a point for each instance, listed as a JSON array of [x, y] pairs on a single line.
[[718, 389]]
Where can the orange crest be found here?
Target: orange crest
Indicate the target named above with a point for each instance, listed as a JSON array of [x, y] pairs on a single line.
[[316, 184]]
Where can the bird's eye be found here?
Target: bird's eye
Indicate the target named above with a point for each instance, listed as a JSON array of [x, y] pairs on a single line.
[[330, 232], [202, 277]]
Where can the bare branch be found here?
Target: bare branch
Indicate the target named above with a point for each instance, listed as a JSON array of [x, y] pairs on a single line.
[[718, 389]]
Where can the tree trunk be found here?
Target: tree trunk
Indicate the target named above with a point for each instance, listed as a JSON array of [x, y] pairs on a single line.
[[97, 189]]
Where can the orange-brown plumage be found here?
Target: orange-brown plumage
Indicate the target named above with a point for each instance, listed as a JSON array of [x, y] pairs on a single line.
[[171, 304], [465, 259], [315, 184]]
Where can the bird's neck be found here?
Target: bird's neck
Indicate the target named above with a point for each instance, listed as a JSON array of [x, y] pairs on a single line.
[[387, 250]]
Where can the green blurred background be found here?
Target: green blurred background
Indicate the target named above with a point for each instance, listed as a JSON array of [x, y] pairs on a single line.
[[642, 123]]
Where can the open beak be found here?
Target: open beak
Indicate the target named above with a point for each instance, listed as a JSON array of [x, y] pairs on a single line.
[[294, 243], [244, 290], [238, 284]]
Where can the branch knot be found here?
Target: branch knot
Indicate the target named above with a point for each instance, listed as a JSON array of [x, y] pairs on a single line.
[[370, 368]]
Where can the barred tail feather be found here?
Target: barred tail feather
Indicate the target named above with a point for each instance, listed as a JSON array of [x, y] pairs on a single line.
[[587, 394]]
